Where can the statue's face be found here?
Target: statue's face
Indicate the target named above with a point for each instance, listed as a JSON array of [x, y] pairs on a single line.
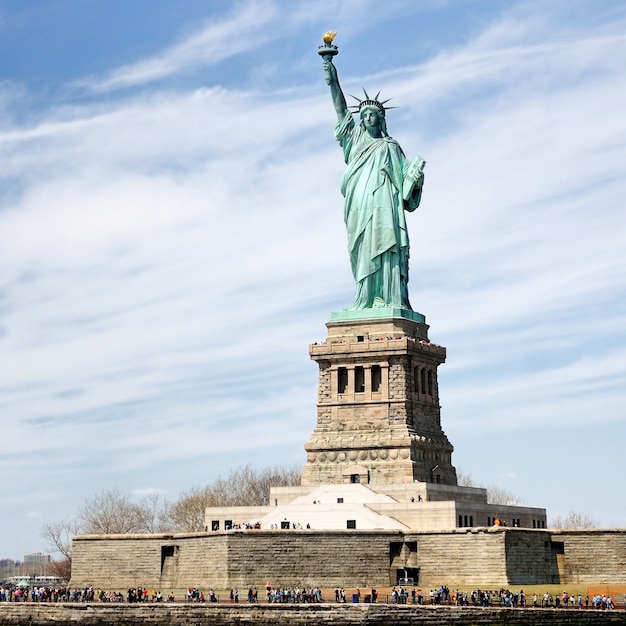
[[372, 121]]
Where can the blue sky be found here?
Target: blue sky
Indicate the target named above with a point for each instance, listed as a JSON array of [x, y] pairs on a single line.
[[171, 238]]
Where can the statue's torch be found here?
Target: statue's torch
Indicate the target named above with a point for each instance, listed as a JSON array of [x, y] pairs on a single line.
[[327, 50]]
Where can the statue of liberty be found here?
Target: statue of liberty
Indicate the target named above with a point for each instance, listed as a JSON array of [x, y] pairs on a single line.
[[379, 184]]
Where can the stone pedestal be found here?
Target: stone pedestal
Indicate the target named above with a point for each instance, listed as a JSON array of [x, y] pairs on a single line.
[[378, 413]]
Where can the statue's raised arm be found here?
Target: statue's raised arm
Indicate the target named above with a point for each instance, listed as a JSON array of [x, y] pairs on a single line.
[[327, 51], [339, 100]]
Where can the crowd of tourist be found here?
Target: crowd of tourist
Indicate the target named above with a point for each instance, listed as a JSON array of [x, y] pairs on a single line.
[[603, 602], [285, 595], [285, 525], [243, 526], [295, 595], [14, 593]]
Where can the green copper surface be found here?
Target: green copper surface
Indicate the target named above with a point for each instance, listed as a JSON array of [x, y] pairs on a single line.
[[349, 315], [379, 185]]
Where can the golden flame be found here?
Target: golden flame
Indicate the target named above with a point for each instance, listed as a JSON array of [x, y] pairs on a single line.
[[329, 36]]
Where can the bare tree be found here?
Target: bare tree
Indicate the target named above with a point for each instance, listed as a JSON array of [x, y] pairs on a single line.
[[495, 495], [463, 479], [111, 512], [59, 536], [244, 486], [154, 514], [573, 520], [498, 495], [187, 513], [62, 569]]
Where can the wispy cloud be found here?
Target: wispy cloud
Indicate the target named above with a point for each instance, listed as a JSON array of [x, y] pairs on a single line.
[[220, 38], [168, 254]]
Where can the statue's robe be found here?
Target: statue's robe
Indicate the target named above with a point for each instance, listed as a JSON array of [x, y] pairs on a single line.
[[378, 240]]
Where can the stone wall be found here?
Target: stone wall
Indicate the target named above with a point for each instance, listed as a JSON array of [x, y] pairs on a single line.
[[29, 614], [330, 558], [477, 556], [482, 557], [530, 559], [327, 558], [236, 558], [592, 556], [117, 562]]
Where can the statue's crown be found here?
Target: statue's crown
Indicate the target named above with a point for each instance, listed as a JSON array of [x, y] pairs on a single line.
[[371, 102]]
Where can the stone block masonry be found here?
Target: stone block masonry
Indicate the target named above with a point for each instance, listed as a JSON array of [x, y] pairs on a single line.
[[305, 559], [378, 413], [591, 556], [233, 559], [118, 562], [477, 556], [30, 614]]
